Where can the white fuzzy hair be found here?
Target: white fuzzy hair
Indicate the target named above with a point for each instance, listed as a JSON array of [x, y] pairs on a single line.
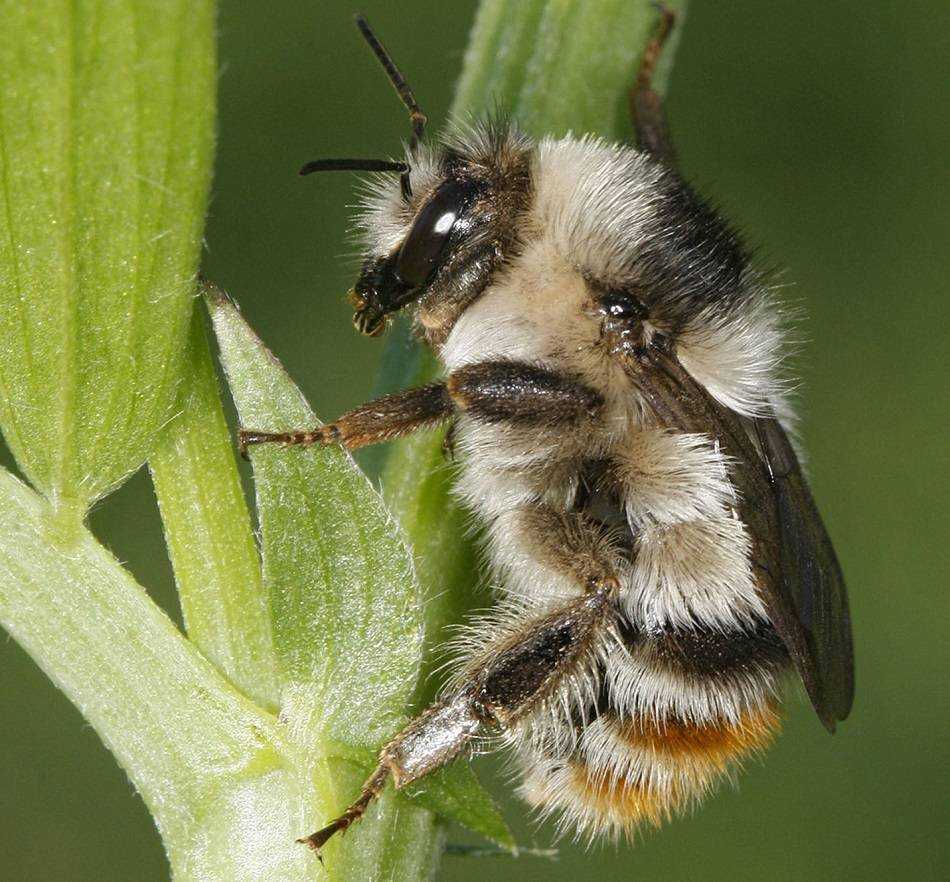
[[384, 217], [593, 208]]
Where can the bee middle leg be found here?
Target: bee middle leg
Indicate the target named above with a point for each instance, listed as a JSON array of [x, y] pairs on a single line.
[[567, 542]]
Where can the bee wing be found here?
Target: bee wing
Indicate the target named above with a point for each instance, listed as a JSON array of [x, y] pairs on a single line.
[[802, 583], [811, 583]]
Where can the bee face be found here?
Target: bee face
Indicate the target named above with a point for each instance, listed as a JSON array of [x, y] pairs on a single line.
[[390, 282], [435, 237]]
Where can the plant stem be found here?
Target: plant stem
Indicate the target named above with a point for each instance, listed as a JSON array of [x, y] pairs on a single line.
[[554, 65], [207, 762], [208, 532]]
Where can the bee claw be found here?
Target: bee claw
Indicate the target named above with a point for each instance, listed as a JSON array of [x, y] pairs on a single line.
[[242, 438], [246, 437], [313, 846], [316, 841], [371, 789]]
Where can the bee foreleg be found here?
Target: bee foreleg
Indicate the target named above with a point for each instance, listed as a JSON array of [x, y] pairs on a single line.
[[379, 420], [504, 391], [495, 391], [646, 106], [503, 683]]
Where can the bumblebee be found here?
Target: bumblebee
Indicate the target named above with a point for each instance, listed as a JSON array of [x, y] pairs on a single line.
[[614, 381]]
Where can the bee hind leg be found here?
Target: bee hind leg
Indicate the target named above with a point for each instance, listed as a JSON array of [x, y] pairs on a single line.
[[504, 682], [371, 789]]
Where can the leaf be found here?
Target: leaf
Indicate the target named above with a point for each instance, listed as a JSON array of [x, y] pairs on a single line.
[[343, 594], [208, 532], [455, 793], [106, 140], [499, 49], [560, 65], [215, 772]]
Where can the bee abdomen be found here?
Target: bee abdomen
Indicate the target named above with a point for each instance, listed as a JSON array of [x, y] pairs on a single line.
[[699, 675], [623, 774], [677, 712]]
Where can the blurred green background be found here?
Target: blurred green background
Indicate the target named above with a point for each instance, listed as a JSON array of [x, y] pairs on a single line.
[[823, 129]]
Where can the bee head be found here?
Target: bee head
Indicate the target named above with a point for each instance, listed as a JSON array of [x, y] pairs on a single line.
[[435, 234], [434, 239], [438, 227]]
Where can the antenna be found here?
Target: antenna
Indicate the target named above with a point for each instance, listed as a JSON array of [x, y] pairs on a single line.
[[417, 119], [370, 165]]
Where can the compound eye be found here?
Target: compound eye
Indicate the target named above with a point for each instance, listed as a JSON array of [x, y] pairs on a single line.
[[419, 255]]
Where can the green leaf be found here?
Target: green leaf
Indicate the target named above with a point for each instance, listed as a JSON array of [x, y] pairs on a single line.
[[216, 773], [499, 48], [343, 594], [106, 138], [559, 65], [455, 793], [208, 531]]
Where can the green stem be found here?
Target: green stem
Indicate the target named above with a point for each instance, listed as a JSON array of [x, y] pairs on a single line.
[[211, 767], [208, 531], [345, 608]]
